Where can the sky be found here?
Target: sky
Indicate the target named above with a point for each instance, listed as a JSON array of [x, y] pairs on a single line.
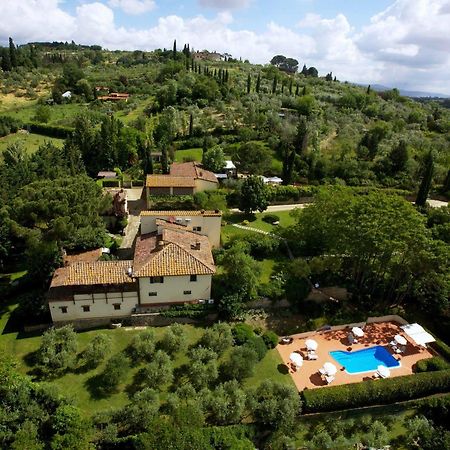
[[401, 43]]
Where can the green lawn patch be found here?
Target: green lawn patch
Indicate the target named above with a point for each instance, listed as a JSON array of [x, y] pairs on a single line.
[[271, 367], [190, 154], [30, 141]]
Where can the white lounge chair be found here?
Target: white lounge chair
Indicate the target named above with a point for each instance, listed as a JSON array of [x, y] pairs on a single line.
[[312, 356], [322, 371], [329, 379]]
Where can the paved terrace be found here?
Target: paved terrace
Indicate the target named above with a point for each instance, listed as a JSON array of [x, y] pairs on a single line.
[[307, 376]]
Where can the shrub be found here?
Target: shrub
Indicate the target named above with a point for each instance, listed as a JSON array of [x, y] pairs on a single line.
[[270, 218], [174, 339], [242, 333], [432, 364], [241, 363], [96, 351], [158, 372], [376, 392], [142, 346], [114, 373], [50, 130], [260, 246], [218, 338], [441, 348], [270, 339], [257, 344], [58, 349]]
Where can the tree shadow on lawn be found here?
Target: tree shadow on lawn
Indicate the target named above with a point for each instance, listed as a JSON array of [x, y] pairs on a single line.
[[283, 369], [95, 386]]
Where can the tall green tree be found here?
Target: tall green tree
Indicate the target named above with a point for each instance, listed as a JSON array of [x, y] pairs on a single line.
[[214, 159], [399, 156], [274, 84], [249, 83], [12, 53], [427, 179], [258, 83], [253, 195]]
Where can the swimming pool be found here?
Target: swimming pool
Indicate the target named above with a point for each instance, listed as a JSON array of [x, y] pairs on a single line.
[[366, 360]]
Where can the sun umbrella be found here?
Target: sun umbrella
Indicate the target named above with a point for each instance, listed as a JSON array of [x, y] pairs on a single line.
[[296, 358], [330, 368], [383, 371], [357, 331], [311, 344], [400, 339]]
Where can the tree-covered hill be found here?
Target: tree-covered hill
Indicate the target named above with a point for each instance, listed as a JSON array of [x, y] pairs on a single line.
[[349, 135]]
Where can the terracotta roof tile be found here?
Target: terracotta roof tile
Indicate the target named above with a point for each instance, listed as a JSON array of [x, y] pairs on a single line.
[[169, 181], [173, 253], [92, 273], [192, 169]]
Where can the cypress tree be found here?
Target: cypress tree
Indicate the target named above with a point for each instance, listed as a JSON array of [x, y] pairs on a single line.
[[369, 90], [192, 65], [290, 87], [304, 90], [164, 159], [12, 53], [446, 185], [249, 83], [282, 87], [226, 76], [274, 85], [191, 124], [188, 64], [427, 179], [204, 148], [258, 83], [296, 89], [175, 49]]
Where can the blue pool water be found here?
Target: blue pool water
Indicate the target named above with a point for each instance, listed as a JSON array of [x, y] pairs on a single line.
[[365, 360]]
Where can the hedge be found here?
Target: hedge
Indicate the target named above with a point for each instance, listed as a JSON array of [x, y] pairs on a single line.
[[442, 348], [376, 392], [50, 130], [432, 364]]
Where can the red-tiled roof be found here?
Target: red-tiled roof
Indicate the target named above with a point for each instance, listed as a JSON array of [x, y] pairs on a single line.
[[169, 181], [92, 273], [175, 252], [192, 169]]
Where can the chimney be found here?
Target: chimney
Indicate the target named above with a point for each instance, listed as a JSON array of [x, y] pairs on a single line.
[[161, 243], [195, 246]]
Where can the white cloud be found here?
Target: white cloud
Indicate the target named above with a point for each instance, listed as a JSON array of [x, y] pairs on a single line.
[[225, 4], [406, 44], [133, 6]]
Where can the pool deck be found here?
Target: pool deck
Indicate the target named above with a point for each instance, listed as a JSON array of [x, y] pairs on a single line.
[[308, 377]]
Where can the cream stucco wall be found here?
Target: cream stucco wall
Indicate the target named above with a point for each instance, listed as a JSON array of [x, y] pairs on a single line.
[[101, 305], [204, 185], [172, 290], [210, 225]]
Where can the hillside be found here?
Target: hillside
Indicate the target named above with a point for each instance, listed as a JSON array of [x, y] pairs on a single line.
[[352, 134]]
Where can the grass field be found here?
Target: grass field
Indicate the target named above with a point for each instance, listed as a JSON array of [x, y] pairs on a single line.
[[30, 141], [75, 384], [190, 154]]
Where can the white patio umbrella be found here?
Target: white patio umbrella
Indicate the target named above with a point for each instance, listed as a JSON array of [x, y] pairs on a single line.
[[383, 371], [330, 368], [296, 358], [357, 331], [418, 334], [311, 344], [400, 339]]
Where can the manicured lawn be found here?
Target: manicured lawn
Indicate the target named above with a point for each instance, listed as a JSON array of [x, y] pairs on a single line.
[[270, 368], [191, 154], [255, 221], [31, 142]]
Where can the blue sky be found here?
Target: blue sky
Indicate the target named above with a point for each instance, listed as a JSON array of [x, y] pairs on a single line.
[[403, 43]]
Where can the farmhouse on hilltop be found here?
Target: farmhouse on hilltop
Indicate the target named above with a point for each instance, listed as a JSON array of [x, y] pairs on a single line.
[[172, 264]]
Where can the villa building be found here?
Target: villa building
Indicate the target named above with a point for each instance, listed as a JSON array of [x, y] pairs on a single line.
[[172, 264], [184, 179]]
